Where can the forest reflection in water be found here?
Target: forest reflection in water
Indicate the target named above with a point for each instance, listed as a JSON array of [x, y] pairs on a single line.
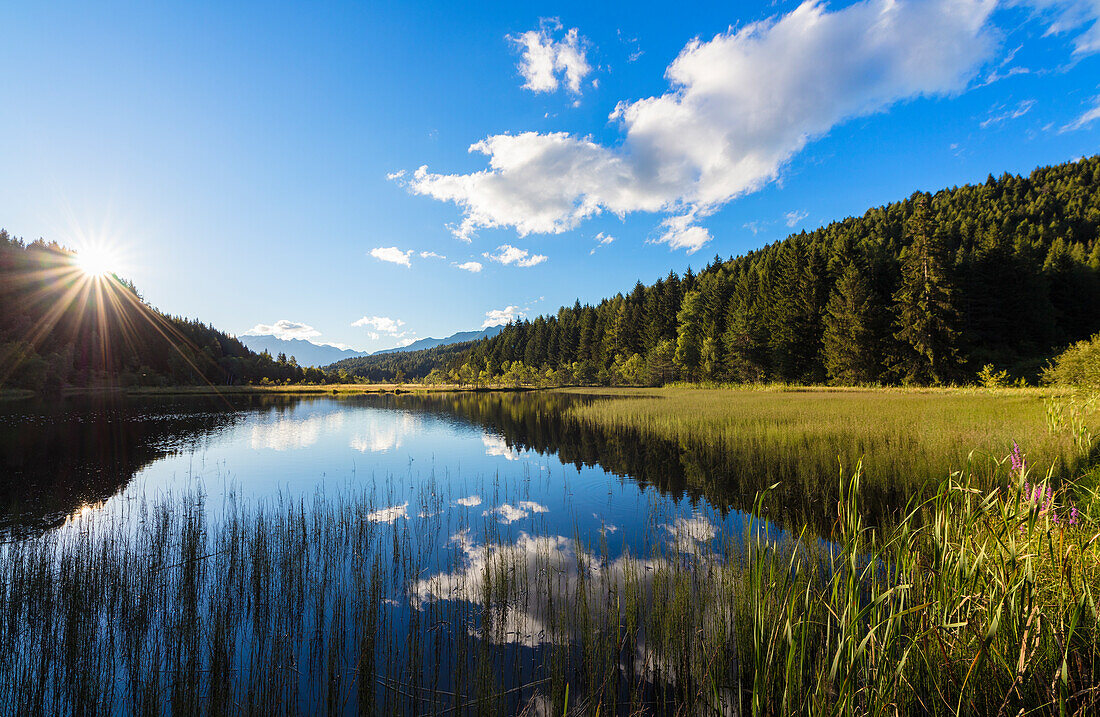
[[58, 457]]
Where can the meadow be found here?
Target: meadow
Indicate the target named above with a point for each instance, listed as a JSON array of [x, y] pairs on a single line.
[[907, 440]]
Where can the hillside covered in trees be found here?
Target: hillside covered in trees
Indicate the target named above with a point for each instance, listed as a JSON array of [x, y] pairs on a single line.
[[923, 291], [60, 327], [438, 364]]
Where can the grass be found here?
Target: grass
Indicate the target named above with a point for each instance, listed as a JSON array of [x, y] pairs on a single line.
[[977, 599], [906, 439], [976, 602]]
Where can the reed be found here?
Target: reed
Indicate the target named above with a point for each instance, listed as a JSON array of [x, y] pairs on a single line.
[[981, 600], [908, 437]]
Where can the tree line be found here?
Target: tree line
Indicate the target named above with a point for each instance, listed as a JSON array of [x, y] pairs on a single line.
[[929, 290], [60, 328]]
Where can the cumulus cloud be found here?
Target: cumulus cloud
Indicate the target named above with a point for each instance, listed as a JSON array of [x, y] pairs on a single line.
[[508, 254], [283, 329], [496, 317], [380, 324], [549, 58], [1086, 118], [471, 501], [431, 255], [471, 266], [739, 106], [680, 232], [392, 254]]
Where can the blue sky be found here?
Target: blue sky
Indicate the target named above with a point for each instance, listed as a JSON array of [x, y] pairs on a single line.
[[257, 166]]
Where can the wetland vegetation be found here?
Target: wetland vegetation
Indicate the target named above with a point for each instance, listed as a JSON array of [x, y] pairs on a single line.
[[432, 591]]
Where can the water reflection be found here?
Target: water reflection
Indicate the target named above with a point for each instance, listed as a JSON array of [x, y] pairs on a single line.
[[508, 514], [57, 457], [287, 431]]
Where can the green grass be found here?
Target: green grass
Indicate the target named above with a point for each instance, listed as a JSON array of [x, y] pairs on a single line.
[[976, 603], [975, 600], [907, 439]]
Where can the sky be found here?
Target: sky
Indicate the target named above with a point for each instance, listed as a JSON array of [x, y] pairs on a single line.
[[367, 174]]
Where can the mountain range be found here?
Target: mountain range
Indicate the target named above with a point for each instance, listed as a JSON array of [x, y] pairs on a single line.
[[307, 353]]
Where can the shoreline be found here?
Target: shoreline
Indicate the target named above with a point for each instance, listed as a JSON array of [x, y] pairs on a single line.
[[14, 394]]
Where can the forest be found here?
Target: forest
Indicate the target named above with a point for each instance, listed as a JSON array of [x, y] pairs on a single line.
[[62, 328], [981, 282], [932, 290]]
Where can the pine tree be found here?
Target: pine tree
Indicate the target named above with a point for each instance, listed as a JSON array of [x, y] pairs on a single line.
[[743, 340], [926, 316], [850, 353], [689, 340]]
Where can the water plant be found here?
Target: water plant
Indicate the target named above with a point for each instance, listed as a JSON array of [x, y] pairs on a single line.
[[977, 601]]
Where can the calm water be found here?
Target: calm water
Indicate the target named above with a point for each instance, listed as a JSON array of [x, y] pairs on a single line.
[[451, 484], [509, 459]]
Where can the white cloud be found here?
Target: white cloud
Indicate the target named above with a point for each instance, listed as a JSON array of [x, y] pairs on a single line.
[[1087, 118], [601, 239], [689, 535], [511, 513], [1068, 16], [431, 255], [496, 317], [793, 218], [497, 446], [999, 114], [390, 514], [547, 61], [283, 329], [471, 266], [738, 108], [471, 501], [392, 254], [508, 254], [395, 175], [679, 232], [380, 324]]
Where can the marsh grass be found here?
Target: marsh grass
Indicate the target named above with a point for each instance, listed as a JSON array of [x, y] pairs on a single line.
[[976, 602], [906, 439]]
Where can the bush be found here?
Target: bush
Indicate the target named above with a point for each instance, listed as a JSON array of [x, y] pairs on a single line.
[[1079, 365]]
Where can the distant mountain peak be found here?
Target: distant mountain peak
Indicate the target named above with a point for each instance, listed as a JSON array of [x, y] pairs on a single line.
[[305, 352], [308, 353], [460, 337]]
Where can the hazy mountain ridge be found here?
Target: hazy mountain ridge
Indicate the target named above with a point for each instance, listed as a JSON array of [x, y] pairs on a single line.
[[460, 337], [307, 353]]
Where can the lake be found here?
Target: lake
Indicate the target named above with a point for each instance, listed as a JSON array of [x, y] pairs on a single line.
[[193, 492], [63, 460], [502, 552]]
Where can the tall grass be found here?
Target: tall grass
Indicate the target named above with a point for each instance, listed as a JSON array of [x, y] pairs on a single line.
[[978, 601], [905, 438]]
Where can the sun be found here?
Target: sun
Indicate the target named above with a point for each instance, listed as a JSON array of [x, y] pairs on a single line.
[[96, 263]]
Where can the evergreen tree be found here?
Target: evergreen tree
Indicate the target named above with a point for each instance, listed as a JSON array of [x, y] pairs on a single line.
[[850, 352], [926, 316]]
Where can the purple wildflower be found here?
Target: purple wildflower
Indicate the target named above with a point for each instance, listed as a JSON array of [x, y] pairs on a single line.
[[1019, 461]]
